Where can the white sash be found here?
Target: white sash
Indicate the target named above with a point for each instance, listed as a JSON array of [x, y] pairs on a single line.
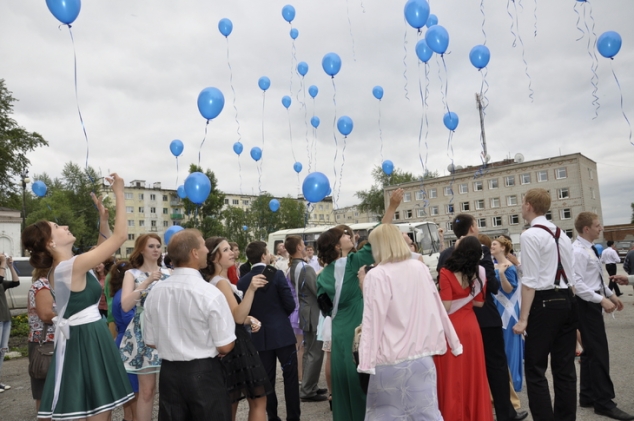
[[340, 271], [509, 305], [458, 304]]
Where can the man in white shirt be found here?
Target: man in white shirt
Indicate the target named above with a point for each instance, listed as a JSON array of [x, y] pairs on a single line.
[[548, 315], [281, 258], [593, 297], [610, 257], [312, 260], [190, 324]]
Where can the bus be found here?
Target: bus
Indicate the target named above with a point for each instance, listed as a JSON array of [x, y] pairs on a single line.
[[424, 234]]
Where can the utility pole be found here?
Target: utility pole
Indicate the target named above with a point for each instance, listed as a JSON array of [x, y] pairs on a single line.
[[25, 180], [482, 133]]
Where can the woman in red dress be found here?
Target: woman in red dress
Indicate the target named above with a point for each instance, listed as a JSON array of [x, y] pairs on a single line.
[[463, 389]]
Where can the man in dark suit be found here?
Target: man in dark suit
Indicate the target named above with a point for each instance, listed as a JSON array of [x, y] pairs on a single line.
[[490, 326], [271, 306]]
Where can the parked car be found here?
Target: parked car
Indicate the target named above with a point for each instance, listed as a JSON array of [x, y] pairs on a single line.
[[17, 297], [622, 248]]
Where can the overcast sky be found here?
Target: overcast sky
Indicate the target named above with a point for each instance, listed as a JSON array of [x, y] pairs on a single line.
[[141, 65]]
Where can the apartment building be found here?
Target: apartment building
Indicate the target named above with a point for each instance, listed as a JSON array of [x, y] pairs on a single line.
[[242, 201], [321, 213], [494, 196], [352, 215]]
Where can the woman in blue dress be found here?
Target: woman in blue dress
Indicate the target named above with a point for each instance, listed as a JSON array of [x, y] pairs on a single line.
[[508, 304]]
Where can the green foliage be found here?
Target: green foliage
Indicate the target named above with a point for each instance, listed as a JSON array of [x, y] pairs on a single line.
[[20, 326], [234, 219], [207, 217], [291, 214], [15, 143]]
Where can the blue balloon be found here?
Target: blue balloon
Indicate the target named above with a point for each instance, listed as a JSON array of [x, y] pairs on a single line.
[[345, 125], [294, 33], [377, 91], [225, 26], [314, 121], [302, 68], [315, 187], [480, 56], [39, 188], [437, 38], [197, 187], [180, 191], [331, 64], [256, 153], [170, 232], [313, 91], [274, 205], [609, 44], [238, 148], [65, 11], [416, 13], [388, 167], [176, 147], [210, 103], [432, 20], [264, 83], [244, 228], [288, 13], [423, 51], [451, 120], [599, 248], [297, 167], [286, 101]]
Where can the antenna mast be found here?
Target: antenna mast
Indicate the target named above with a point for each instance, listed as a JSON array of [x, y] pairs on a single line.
[[482, 133]]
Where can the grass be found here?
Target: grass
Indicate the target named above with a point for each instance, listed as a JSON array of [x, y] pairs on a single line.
[[18, 339]]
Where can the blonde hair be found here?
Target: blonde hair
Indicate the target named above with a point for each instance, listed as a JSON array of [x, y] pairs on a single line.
[[539, 199], [505, 243], [388, 245]]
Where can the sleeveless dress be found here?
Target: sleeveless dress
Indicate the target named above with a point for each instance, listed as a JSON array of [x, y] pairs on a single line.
[[138, 358], [246, 377], [93, 379]]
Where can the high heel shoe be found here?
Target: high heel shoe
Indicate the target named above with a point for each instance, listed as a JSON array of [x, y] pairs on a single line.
[[330, 401]]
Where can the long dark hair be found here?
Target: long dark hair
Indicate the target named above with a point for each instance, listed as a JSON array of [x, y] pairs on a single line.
[[35, 239], [327, 246], [212, 244], [466, 259], [117, 273]]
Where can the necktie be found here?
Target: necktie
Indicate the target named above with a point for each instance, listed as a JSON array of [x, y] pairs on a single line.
[[594, 249], [596, 252]]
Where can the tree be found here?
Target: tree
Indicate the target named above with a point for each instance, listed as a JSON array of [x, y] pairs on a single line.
[[15, 143], [291, 214], [208, 216], [235, 219]]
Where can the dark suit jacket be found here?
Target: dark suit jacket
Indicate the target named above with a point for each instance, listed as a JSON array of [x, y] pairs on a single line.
[[307, 294], [271, 307], [244, 269], [487, 315]]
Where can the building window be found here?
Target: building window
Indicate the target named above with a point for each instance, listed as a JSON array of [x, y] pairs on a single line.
[[235, 201], [542, 176], [397, 215], [164, 198], [130, 236], [493, 183], [448, 191], [141, 222], [246, 202], [226, 201], [592, 193], [450, 208], [479, 204], [129, 209], [511, 200], [433, 193], [497, 221], [590, 174], [128, 251], [327, 217], [141, 209], [495, 202], [514, 219], [321, 217], [561, 173], [356, 214], [450, 226], [140, 196], [165, 211], [525, 178], [421, 213], [128, 196], [433, 210], [565, 213], [407, 197], [509, 181], [482, 222], [569, 233], [477, 186], [130, 222], [549, 216], [420, 195], [464, 188], [464, 207], [166, 223], [408, 214], [152, 197], [563, 193], [152, 210]]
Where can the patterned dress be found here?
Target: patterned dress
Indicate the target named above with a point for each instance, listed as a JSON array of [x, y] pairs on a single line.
[[138, 358]]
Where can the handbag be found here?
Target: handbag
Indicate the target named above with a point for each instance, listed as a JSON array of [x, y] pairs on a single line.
[[364, 378], [325, 304], [41, 358]]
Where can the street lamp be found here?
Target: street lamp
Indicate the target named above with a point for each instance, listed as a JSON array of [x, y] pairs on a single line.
[[25, 180]]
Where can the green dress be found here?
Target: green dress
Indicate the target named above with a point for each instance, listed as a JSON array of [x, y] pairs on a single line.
[[93, 378], [348, 400]]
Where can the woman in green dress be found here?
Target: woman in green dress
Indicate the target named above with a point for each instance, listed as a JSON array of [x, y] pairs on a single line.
[[86, 379]]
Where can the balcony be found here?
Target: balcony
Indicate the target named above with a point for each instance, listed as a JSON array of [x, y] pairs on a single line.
[[177, 216]]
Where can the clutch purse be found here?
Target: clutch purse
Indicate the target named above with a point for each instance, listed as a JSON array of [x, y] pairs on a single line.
[[325, 304]]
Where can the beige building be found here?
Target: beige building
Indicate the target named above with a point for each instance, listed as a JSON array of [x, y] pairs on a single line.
[[321, 213], [494, 197], [352, 215], [242, 201]]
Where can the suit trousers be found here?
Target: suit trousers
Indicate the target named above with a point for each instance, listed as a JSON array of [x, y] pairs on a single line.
[[611, 269], [596, 386], [193, 390], [497, 372], [312, 362], [287, 356], [551, 330]]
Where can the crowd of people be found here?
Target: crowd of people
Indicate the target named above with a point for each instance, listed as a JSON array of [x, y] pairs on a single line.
[[394, 342]]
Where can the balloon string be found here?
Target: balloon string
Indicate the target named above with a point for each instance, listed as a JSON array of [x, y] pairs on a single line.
[[203, 142], [592, 44], [380, 131], [240, 173], [177, 172], [444, 87], [531, 93], [420, 130], [261, 162], [483, 21], [293, 64], [354, 55], [405, 62], [334, 136], [343, 161], [306, 126], [426, 107], [579, 28], [290, 134], [622, 108], [484, 89], [314, 139], [450, 210], [535, 19], [235, 108], [508, 11], [362, 7], [81, 119]]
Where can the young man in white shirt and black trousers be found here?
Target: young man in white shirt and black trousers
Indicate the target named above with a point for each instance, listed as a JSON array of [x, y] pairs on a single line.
[[548, 314], [593, 297], [190, 324], [610, 257]]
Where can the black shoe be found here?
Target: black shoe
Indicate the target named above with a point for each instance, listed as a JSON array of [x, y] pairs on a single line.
[[614, 413], [316, 398], [322, 391], [520, 415], [586, 404]]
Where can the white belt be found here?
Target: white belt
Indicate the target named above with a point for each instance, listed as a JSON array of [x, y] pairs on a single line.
[[62, 334]]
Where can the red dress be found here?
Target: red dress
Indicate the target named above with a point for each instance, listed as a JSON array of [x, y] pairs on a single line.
[[463, 389]]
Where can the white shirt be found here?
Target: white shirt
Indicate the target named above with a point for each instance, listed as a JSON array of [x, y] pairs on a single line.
[[314, 263], [588, 272], [186, 318], [282, 263], [539, 256], [610, 255]]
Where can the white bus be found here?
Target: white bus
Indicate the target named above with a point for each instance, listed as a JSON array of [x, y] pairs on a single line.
[[424, 234]]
